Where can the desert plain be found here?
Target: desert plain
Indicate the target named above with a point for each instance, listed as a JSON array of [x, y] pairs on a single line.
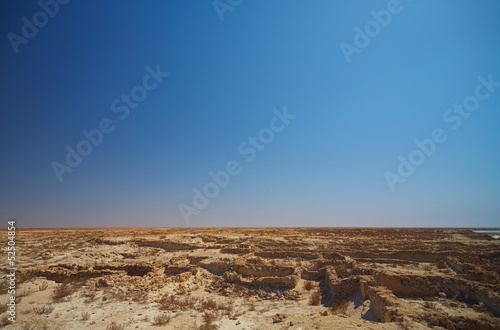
[[253, 278]]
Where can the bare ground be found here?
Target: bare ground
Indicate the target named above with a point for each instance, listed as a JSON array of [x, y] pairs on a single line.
[[255, 278]]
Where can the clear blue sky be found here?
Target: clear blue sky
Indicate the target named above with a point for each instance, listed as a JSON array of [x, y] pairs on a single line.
[[326, 168]]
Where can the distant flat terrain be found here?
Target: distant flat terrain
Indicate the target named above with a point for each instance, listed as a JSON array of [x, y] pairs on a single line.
[[254, 278]]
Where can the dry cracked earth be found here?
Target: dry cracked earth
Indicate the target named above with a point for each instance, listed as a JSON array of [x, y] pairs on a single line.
[[251, 278]]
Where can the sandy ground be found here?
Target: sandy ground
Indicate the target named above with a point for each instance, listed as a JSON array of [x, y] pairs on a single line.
[[254, 278]]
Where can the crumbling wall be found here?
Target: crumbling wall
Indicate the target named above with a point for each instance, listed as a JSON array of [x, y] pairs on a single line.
[[432, 285], [256, 270], [215, 265], [165, 244], [388, 308], [383, 303], [315, 275], [274, 281], [341, 287], [235, 250], [473, 272], [282, 254]]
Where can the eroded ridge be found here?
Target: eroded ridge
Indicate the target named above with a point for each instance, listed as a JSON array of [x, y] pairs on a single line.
[[251, 278]]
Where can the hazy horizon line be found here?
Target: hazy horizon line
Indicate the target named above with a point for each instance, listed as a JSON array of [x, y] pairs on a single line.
[[250, 227]]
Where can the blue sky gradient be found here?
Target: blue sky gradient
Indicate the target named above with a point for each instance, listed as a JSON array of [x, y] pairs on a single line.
[[326, 168]]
